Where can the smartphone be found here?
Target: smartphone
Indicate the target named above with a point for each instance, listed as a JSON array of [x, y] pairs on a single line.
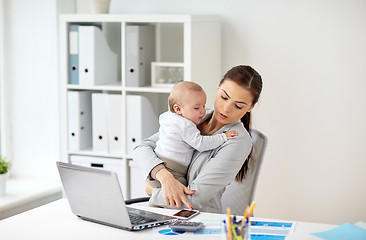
[[186, 214]]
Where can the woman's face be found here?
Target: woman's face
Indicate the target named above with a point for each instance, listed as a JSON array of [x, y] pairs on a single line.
[[232, 102]]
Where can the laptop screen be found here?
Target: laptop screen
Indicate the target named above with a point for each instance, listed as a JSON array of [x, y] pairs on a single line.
[[95, 195]]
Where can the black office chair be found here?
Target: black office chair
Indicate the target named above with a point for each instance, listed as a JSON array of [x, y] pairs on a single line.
[[137, 200]]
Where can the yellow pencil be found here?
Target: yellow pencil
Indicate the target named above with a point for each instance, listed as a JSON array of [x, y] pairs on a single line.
[[252, 205], [245, 218], [229, 230], [246, 212]]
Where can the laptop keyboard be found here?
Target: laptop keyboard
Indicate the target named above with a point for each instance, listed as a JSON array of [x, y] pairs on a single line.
[[137, 219]]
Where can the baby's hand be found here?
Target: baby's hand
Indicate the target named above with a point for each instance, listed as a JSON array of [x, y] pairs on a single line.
[[231, 134]]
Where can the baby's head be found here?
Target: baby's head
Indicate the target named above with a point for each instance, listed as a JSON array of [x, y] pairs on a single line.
[[188, 100]]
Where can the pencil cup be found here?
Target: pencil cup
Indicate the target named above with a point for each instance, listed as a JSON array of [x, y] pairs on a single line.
[[237, 233]]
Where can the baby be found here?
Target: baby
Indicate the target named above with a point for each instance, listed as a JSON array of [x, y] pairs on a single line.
[[178, 132]]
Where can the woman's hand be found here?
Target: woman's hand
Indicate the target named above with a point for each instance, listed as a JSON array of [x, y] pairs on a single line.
[[174, 191], [148, 188]]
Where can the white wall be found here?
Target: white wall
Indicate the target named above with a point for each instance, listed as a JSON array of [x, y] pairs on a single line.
[[31, 78], [312, 57]]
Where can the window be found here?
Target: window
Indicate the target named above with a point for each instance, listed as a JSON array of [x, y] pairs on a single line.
[[1, 77]]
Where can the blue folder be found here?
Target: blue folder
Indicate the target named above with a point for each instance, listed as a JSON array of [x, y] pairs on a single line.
[[73, 54], [73, 43]]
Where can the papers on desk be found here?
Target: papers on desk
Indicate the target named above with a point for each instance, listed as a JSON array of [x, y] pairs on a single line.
[[214, 229], [270, 230], [345, 231]]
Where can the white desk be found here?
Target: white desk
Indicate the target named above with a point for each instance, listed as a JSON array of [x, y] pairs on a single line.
[[55, 221]]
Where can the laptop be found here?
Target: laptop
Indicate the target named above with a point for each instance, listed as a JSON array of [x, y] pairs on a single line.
[[95, 195]]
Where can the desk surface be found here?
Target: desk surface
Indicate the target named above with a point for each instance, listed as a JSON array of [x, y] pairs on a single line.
[[55, 221]]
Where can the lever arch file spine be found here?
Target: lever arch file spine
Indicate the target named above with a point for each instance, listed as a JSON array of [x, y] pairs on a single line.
[[74, 51], [100, 124], [115, 123], [97, 62], [142, 122], [79, 120], [73, 54], [87, 55], [140, 52]]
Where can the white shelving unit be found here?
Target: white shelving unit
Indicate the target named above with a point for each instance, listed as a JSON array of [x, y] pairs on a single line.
[[194, 40]]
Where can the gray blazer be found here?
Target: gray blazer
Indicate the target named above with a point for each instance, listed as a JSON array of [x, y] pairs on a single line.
[[209, 172]]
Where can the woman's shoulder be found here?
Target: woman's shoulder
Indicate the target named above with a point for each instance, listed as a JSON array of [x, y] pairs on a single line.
[[242, 139], [239, 128]]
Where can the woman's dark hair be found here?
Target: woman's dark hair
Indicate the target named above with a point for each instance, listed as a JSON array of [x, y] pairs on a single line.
[[250, 79]]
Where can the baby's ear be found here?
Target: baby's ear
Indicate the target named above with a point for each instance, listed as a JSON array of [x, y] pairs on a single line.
[[176, 109]]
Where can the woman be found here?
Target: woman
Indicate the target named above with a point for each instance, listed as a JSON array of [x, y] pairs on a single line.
[[210, 171]]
